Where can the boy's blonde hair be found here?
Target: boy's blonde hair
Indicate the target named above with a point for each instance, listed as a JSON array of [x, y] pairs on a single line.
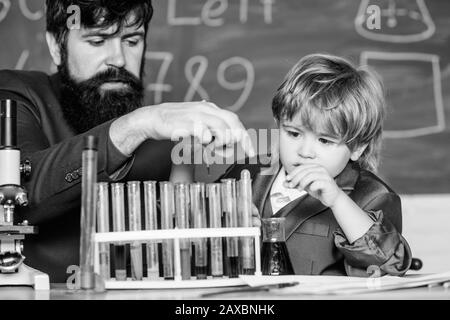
[[331, 96]]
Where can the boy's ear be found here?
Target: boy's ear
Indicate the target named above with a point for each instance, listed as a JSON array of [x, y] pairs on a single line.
[[54, 48], [358, 152]]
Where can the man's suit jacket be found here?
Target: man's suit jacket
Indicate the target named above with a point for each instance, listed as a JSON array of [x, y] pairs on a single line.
[[54, 187], [315, 243]]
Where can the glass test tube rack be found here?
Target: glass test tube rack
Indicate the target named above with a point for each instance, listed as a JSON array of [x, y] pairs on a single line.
[[146, 236]]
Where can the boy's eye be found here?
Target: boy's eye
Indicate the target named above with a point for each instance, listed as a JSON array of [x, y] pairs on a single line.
[[293, 134], [325, 141]]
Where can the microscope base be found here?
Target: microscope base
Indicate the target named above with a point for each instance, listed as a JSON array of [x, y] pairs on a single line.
[[26, 276]]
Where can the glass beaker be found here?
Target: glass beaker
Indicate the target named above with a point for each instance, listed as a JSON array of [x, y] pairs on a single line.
[[275, 257]]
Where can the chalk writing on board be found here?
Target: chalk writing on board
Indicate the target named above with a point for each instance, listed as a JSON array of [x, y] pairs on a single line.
[[414, 14], [27, 13], [194, 71], [195, 80], [4, 9], [438, 107], [22, 60], [5, 5], [160, 87], [245, 85], [212, 12]]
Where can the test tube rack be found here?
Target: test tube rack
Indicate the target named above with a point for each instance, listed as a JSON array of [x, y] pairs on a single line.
[[146, 236]]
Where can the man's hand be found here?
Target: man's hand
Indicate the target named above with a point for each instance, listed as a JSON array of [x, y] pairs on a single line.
[[315, 180], [172, 121]]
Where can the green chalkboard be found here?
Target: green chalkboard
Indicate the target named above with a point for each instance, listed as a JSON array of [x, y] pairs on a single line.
[[236, 52]]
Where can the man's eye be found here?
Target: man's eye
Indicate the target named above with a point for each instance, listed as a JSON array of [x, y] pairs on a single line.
[[132, 42], [96, 43]]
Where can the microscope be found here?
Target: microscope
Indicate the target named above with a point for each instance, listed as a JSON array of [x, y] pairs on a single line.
[[13, 272]]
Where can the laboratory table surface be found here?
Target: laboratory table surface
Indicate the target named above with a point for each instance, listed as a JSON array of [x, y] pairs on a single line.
[[60, 292]]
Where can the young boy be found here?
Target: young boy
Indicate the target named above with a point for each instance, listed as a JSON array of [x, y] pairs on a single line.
[[341, 219]]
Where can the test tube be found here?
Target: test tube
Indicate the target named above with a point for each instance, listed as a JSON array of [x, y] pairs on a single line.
[[167, 213], [198, 213], [215, 213], [245, 215], [88, 207], [103, 226], [182, 222], [134, 213], [118, 209], [229, 202], [151, 223], [191, 225]]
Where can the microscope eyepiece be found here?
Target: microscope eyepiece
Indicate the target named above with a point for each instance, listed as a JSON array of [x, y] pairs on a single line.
[[8, 123]]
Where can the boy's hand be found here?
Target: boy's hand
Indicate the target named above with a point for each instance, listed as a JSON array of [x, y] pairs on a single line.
[[315, 180]]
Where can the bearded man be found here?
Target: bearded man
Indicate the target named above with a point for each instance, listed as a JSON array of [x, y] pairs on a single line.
[[97, 91]]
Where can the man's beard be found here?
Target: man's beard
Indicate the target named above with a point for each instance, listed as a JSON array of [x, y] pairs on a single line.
[[85, 105]]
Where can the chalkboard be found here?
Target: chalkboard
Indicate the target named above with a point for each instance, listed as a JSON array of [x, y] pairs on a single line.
[[236, 52]]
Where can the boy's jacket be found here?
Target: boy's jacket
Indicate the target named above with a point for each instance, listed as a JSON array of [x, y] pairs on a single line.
[[316, 244]]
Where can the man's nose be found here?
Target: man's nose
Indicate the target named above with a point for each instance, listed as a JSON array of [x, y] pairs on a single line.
[[116, 55], [306, 147]]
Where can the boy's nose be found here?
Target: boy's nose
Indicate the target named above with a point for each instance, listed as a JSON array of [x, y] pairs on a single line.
[[305, 148]]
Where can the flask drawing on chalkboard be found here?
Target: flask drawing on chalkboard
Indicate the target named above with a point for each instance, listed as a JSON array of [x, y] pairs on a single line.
[[400, 21]]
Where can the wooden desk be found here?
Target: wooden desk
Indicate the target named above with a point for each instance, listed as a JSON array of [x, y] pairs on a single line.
[[60, 292]]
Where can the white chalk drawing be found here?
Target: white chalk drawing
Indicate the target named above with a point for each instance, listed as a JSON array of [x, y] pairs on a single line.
[[27, 13], [243, 11], [437, 89], [195, 70], [268, 12], [267, 7], [416, 11], [174, 20], [5, 5], [245, 85], [212, 11], [160, 87], [22, 60], [196, 79]]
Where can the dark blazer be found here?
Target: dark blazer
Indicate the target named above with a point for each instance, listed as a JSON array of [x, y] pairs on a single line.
[[315, 243], [54, 187]]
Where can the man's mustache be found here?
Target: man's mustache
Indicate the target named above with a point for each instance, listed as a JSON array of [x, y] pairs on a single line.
[[113, 75]]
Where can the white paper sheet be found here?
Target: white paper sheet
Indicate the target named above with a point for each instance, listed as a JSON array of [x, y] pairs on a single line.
[[344, 285]]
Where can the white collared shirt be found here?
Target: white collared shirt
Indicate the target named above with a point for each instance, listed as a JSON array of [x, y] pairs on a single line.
[[281, 196]]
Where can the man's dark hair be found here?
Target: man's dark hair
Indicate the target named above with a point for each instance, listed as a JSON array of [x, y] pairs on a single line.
[[97, 14]]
